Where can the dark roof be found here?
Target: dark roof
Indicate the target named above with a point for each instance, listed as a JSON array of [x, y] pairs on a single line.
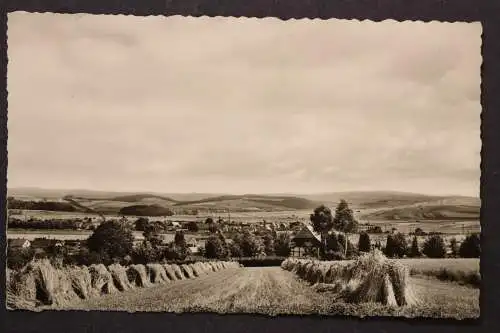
[[307, 232]]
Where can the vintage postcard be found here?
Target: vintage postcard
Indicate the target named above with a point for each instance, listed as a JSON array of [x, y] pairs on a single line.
[[243, 165]]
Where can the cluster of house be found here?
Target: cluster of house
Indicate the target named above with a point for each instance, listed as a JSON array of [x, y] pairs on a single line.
[[43, 244]]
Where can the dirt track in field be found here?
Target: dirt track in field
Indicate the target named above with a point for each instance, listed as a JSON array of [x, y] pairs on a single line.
[[273, 291], [264, 289]]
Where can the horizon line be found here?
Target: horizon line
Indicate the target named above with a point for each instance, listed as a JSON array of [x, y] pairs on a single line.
[[236, 193]]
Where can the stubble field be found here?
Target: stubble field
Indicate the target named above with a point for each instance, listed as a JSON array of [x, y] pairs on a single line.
[[274, 291]]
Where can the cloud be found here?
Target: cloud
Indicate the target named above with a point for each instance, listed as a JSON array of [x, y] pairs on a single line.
[[242, 105]]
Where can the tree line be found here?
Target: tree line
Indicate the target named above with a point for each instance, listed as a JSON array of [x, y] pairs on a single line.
[[66, 224], [40, 205]]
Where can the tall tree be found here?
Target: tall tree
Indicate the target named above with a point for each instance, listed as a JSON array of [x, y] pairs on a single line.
[[396, 245], [434, 247], [268, 242], [282, 245], [470, 247], [111, 238], [414, 249], [344, 220], [364, 244], [454, 247], [322, 223]]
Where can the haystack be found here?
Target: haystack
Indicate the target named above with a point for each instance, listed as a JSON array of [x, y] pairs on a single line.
[[371, 278], [208, 267], [138, 276], [288, 264], [188, 272], [372, 287], [53, 287], [157, 273], [211, 266], [399, 276], [170, 272], [21, 290], [178, 272], [197, 269], [81, 281], [120, 278], [102, 280], [205, 267]]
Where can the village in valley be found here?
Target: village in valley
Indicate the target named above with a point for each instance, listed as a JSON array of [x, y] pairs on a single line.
[[67, 223]]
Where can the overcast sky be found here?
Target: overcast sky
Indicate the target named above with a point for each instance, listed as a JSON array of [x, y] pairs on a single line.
[[232, 105]]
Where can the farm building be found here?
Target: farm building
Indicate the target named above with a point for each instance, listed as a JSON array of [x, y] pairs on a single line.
[[19, 243], [305, 240]]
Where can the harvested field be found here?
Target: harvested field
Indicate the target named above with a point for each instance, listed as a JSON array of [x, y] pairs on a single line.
[[40, 285], [463, 271], [273, 291]]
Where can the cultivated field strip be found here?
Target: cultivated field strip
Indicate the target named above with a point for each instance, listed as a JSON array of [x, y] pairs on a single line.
[[274, 291]]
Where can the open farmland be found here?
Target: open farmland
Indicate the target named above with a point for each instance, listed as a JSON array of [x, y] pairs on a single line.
[[56, 234], [273, 291]]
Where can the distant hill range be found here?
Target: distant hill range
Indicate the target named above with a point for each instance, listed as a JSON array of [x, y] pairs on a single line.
[[375, 205]]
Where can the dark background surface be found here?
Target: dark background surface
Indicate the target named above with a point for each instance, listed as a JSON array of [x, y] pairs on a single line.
[[488, 12]]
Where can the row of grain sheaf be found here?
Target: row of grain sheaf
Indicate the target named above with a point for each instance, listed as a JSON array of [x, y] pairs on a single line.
[[370, 278], [41, 284]]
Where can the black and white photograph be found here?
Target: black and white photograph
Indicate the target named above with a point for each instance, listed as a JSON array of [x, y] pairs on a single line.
[[243, 165]]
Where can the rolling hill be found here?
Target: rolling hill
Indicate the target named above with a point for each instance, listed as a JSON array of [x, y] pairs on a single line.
[[373, 205], [451, 208], [373, 199]]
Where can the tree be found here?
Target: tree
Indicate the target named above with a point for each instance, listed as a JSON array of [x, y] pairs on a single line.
[[470, 247], [414, 249], [351, 249], [333, 244], [112, 239], [209, 220], [364, 243], [213, 228], [396, 245], [235, 250], [282, 245], [344, 221], [419, 232], [19, 257], [249, 244], [334, 248], [146, 253], [141, 223], [268, 242], [215, 248], [322, 222], [454, 247], [86, 257], [192, 226], [178, 249], [434, 247], [152, 234]]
